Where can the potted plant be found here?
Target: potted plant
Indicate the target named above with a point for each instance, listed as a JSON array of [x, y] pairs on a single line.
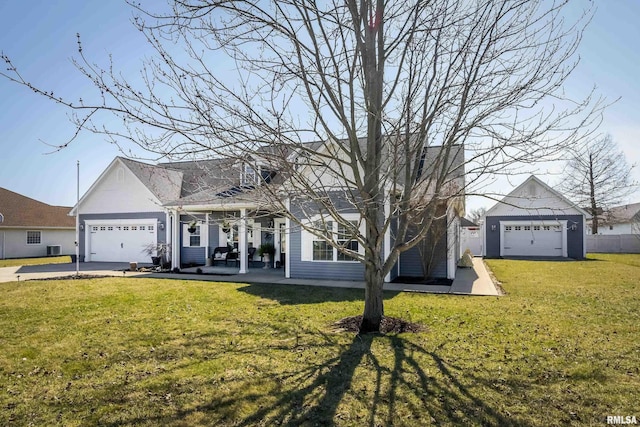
[[192, 227], [159, 253], [267, 251]]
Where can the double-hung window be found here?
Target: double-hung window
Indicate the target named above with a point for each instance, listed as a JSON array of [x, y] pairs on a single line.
[[322, 250], [340, 233], [345, 240]]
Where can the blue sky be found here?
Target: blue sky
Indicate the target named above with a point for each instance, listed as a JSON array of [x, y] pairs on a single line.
[[40, 37]]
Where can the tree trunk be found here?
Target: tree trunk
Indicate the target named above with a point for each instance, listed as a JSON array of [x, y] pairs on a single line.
[[373, 302], [592, 191]]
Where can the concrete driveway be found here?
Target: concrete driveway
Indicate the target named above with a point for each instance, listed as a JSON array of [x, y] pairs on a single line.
[[28, 272]]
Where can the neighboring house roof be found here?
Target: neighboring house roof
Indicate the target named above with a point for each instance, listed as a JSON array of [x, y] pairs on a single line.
[[21, 211], [464, 222], [622, 214], [522, 199]]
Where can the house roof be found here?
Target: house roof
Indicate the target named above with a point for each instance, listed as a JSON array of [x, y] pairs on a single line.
[[464, 222], [165, 183], [507, 200], [21, 211], [622, 214], [215, 181]]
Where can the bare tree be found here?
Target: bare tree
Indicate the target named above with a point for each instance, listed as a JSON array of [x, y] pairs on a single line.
[[382, 83], [476, 214], [597, 176]]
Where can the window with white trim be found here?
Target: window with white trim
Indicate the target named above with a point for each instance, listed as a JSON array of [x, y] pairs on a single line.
[[322, 250], [317, 247], [527, 228], [345, 239], [191, 240], [507, 228], [34, 237]]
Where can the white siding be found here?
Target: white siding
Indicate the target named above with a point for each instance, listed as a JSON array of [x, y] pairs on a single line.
[[535, 199], [15, 242], [119, 191]]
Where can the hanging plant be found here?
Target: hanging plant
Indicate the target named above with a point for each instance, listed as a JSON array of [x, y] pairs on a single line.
[[192, 227], [226, 227]]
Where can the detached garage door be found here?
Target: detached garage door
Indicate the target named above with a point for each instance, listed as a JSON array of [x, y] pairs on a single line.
[[121, 242], [532, 240]]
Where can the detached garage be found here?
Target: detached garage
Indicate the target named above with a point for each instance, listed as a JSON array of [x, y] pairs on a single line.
[[535, 221]]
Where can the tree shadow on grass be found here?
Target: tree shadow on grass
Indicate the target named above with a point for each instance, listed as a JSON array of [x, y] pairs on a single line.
[[300, 294], [360, 385]]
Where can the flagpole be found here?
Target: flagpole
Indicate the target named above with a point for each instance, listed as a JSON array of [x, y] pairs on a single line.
[[78, 219]]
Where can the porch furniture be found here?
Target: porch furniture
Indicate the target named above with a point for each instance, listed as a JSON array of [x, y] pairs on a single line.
[[223, 253]]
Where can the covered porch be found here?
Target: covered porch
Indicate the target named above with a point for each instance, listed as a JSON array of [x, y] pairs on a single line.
[[227, 240]]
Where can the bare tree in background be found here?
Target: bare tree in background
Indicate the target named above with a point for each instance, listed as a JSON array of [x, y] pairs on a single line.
[[382, 81], [598, 177], [475, 214]]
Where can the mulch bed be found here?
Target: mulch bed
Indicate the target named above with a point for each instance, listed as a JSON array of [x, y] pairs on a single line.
[[74, 277], [389, 325]]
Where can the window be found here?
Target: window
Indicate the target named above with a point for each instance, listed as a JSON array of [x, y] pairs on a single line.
[[34, 237], [536, 228], [342, 234], [94, 228], [194, 238], [344, 239], [546, 228], [322, 251], [110, 228], [150, 228], [249, 175], [507, 228], [143, 228], [518, 227], [527, 228]]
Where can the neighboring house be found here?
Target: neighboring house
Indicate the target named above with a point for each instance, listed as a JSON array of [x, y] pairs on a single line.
[[535, 220], [619, 220], [29, 228], [133, 205]]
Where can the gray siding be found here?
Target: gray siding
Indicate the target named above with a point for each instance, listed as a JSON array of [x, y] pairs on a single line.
[[317, 269], [574, 238], [159, 216], [192, 256], [411, 264]]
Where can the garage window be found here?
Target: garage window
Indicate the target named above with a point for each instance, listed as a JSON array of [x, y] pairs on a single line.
[[34, 237]]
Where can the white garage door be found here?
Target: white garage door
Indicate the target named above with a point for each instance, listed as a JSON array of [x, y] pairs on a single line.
[[532, 240], [121, 242]]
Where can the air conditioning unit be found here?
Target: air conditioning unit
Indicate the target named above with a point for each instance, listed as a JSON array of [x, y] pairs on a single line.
[[53, 250]]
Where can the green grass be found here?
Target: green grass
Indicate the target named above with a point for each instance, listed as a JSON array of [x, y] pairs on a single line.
[[17, 262], [560, 349]]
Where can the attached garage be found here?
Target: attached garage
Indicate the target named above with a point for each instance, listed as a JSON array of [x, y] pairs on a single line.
[[120, 240], [527, 238]]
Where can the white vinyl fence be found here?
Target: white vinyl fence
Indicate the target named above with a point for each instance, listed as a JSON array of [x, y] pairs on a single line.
[[615, 243]]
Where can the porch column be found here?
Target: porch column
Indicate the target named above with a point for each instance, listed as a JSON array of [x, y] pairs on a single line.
[[242, 241], [168, 235], [287, 255], [175, 240], [205, 230]]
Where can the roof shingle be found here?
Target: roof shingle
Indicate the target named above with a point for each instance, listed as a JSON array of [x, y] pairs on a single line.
[[21, 211]]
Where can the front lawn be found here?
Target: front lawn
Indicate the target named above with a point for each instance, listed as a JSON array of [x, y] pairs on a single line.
[[17, 262], [560, 349]]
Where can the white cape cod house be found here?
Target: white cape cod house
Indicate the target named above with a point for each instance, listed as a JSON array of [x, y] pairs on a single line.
[[201, 207]]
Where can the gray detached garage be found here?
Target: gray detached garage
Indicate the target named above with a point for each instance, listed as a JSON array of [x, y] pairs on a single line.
[[535, 221]]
